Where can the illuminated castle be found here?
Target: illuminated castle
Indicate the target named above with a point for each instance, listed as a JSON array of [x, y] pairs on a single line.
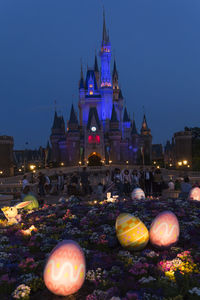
[[103, 131]]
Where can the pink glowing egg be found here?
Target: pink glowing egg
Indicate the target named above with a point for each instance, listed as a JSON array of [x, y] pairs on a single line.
[[194, 194], [164, 230], [64, 272]]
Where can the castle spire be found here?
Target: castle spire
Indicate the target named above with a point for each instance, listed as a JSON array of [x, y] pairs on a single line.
[[115, 69], [145, 130], [55, 121], [96, 68], [105, 38], [114, 115], [81, 81], [134, 129], [126, 117], [73, 117]]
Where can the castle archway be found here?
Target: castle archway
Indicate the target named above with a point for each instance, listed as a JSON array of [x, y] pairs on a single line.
[[94, 159]]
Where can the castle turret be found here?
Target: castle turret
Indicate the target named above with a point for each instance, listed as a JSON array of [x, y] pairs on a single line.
[[73, 139], [126, 125], [115, 137], [57, 135], [96, 72], [146, 142], [106, 82]]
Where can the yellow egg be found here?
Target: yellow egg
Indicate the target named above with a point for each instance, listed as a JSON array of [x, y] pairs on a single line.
[[131, 232]]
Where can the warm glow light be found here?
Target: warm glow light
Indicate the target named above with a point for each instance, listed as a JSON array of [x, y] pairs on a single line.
[[154, 162], [180, 163], [185, 162], [64, 273], [188, 166], [1, 172], [90, 85], [127, 161], [32, 167], [131, 232], [158, 167], [20, 170], [34, 171], [170, 165], [28, 231], [110, 161], [79, 162], [62, 164]]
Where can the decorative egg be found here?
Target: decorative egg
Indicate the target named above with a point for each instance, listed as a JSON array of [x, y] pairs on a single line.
[[64, 271], [164, 230], [34, 203], [131, 232], [138, 194], [194, 194]]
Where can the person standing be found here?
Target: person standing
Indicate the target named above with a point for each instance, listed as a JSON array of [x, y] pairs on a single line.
[[24, 182], [84, 181], [147, 177], [60, 182], [41, 183]]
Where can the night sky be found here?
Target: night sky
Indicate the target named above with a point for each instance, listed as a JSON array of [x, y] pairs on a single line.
[[157, 48]]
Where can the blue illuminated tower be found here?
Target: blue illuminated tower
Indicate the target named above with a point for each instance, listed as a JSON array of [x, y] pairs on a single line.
[[106, 78]]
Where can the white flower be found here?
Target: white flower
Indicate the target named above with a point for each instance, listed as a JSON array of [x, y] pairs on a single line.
[[146, 279], [195, 290]]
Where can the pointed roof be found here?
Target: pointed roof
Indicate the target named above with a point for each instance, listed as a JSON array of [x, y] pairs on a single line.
[[144, 123], [96, 68], [90, 75], [93, 112], [81, 82], [120, 94], [73, 117], [114, 115], [134, 129], [48, 145], [105, 38], [55, 121], [126, 117], [115, 69]]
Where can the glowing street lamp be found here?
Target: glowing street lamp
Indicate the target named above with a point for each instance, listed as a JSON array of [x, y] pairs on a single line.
[[62, 164], [127, 162], [1, 172], [32, 167], [110, 161], [179, 163], [185, 162]]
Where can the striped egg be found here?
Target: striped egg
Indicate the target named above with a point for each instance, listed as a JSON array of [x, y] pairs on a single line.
[[64, 272], [131, 232], [164, 230]]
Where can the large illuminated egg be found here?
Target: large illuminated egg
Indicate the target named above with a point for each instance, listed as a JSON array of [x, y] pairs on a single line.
[[194, 194], [64, 272], [138, 194], [34, 203], [164, 230], [131, 232]]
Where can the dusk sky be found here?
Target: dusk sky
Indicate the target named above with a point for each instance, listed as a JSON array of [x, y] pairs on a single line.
[[157, 48]]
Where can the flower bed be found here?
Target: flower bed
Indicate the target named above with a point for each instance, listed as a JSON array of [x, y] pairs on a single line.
[[112, 272]]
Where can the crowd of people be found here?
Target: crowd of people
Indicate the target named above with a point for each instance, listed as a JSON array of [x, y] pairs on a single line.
[[150, 180]]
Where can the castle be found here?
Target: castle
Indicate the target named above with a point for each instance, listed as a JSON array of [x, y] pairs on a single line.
[[104, 131]]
